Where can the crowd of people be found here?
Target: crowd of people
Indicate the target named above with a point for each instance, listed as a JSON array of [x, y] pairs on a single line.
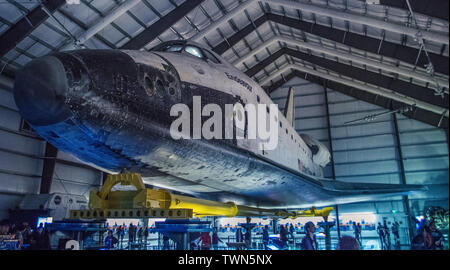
[[23, 237], [136, 235], [385, 235], [427, 237]]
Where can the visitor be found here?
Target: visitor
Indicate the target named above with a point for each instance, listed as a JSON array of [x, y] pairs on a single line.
[[215, 240], [131, 234], [239, 236], [359, 233], [145, 238], [110, 240], [248, 238], [309, 242], [205, 240], [395, 232], [387, 235], [438, 238], [40, 239], [348, 243], [283, 237], [166, 245], [291, 231], [380, 231], [140, 235], [265, 237]]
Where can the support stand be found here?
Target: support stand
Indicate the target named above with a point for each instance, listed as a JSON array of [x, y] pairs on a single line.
[[326, 227], [182, 232]]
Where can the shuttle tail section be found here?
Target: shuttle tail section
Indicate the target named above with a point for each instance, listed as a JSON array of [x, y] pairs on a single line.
[[289, 109]]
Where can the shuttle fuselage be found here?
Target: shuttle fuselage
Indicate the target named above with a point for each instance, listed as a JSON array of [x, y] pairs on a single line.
[[112, 109]]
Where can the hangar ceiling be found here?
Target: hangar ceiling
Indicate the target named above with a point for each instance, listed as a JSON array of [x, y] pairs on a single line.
[[377, 51]]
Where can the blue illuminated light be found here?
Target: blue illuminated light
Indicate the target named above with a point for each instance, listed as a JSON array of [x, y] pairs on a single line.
[[43, 221]]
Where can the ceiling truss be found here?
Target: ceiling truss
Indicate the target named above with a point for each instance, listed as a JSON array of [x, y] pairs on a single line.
[[303, 58]]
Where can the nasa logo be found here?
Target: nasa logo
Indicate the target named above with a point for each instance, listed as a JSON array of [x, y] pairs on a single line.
[[57, 200]]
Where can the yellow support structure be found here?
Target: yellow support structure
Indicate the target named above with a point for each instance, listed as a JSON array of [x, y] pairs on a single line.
[[149, 198], [313, 212], [146, 198]]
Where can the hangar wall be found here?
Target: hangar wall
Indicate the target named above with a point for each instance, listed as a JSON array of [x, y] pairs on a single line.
[[21, 160], [368, 151]]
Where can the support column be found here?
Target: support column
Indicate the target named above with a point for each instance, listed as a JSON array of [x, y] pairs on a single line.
[[446, 135], [104, 176], [48, 169], [403, 178], [145, 226], [336, 209], [333, 172]]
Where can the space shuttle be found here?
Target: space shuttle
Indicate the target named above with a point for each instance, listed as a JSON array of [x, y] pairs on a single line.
[[112, 109]]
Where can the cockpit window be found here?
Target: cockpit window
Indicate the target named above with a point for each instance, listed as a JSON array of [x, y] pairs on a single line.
[[173, 48], [169, 47], [211, 57], [194, 51]]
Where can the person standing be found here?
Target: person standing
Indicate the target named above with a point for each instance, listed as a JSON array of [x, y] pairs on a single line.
[[141, 234], [380, 231], [145, 238], [359, 234], [291, 231], [387, 236], [110, 240], [122, 235], [205, 240], [40, 239], [283, 236], [395, 232], [216, 239], [26, 233], [356, 231], [166, 245], [131, 233], [436, 235], [248, 238], [265, 237], [239, 235], [309, 242], [348, 243]]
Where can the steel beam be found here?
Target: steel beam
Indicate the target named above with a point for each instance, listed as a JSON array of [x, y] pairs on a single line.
[[159, 27], [387, 93], [48, 169], [6, 83], [415, 91], [434, 8], [417, 74], [18, 32], [405, 199], [358, 41], [223, 20], [417, 114], [101, 24], [361, 19], [330, 140]]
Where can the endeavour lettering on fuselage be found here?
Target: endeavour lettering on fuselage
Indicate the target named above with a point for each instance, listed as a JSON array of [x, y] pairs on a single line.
[[239, 81]]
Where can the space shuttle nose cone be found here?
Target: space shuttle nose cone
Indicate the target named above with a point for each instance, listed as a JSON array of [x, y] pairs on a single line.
[[39, 91]]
